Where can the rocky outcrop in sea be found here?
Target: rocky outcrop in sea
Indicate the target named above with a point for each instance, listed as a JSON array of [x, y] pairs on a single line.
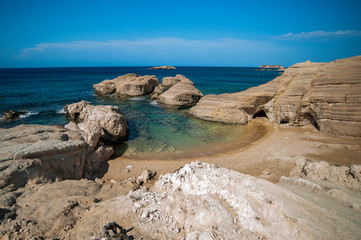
[[326, 95], [162, 67], [128, 85], [181, 92]]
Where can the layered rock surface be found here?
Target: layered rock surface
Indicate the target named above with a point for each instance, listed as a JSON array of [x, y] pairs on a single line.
[[45, 153], [182, 93], [36, 152], [327, 95], [128, 85]]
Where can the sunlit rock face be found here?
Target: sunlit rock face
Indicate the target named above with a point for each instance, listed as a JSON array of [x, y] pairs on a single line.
[[327, 95], [128, 85], [181, 93]]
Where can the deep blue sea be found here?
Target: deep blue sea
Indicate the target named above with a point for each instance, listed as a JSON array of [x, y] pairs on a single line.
[[153, 128]]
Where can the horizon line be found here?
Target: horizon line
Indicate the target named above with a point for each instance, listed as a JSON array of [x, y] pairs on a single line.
[[147, 66]]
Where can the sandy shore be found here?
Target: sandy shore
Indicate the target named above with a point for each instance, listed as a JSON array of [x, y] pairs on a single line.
[[266, 151]]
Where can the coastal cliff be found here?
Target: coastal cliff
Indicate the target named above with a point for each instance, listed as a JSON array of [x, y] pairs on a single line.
[[326, 95]]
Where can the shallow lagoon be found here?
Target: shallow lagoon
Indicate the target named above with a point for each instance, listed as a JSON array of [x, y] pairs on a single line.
[[153, 128]]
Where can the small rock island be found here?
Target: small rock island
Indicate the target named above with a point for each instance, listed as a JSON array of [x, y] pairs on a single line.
[[162, 67]]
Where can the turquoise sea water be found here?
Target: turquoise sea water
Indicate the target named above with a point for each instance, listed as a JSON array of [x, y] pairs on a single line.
[[153, 128]]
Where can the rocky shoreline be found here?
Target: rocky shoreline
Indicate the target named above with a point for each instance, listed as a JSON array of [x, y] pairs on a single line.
[[55, 180], [326, 95]]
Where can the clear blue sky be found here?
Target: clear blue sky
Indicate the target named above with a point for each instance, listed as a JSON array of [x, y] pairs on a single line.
[[54, 33]]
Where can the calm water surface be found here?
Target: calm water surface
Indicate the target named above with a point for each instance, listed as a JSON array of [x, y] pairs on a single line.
[[153, 128]]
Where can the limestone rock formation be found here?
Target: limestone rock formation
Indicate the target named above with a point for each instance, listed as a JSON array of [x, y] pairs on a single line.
[[46, 153], [182, 93], [162, 67], [326, 95], [36, 153], [128, 85], [97, 122]]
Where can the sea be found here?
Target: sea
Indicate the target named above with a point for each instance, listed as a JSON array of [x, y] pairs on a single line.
[[153, 129]]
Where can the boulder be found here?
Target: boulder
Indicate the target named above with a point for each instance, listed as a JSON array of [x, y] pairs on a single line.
[[128, 85], [326, 95], [97, 122], [181, 94]]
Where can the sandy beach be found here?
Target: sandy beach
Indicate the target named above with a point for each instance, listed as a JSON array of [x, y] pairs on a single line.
[[266, 151]]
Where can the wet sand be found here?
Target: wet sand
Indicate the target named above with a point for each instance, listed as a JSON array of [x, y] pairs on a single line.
[[265, 151]]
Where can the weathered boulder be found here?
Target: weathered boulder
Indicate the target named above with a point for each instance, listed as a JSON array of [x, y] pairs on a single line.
[[128, 85], [181, 94], [326, 95], [97, 122]]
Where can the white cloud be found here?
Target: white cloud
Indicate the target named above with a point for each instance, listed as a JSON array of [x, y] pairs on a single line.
[[318, 35], [147, 45]]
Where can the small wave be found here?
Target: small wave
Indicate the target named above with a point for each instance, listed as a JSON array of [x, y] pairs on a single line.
[[137, 98], [154, 103], [61, 111], [28, 114]]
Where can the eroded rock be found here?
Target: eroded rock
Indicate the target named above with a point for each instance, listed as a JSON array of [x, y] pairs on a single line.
[[30, 152], [128, 85], [97, 122], [326, 95], [182, 93]]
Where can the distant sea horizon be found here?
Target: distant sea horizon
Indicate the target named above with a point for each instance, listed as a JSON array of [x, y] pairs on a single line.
[[44, 92]]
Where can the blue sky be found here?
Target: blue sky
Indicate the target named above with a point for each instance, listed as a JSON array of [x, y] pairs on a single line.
[[54, 33]]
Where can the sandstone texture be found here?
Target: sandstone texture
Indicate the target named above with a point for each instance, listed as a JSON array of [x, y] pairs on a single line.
[[327, 95], [162, 67], [128, 85], [182, 93], [36, 153]]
